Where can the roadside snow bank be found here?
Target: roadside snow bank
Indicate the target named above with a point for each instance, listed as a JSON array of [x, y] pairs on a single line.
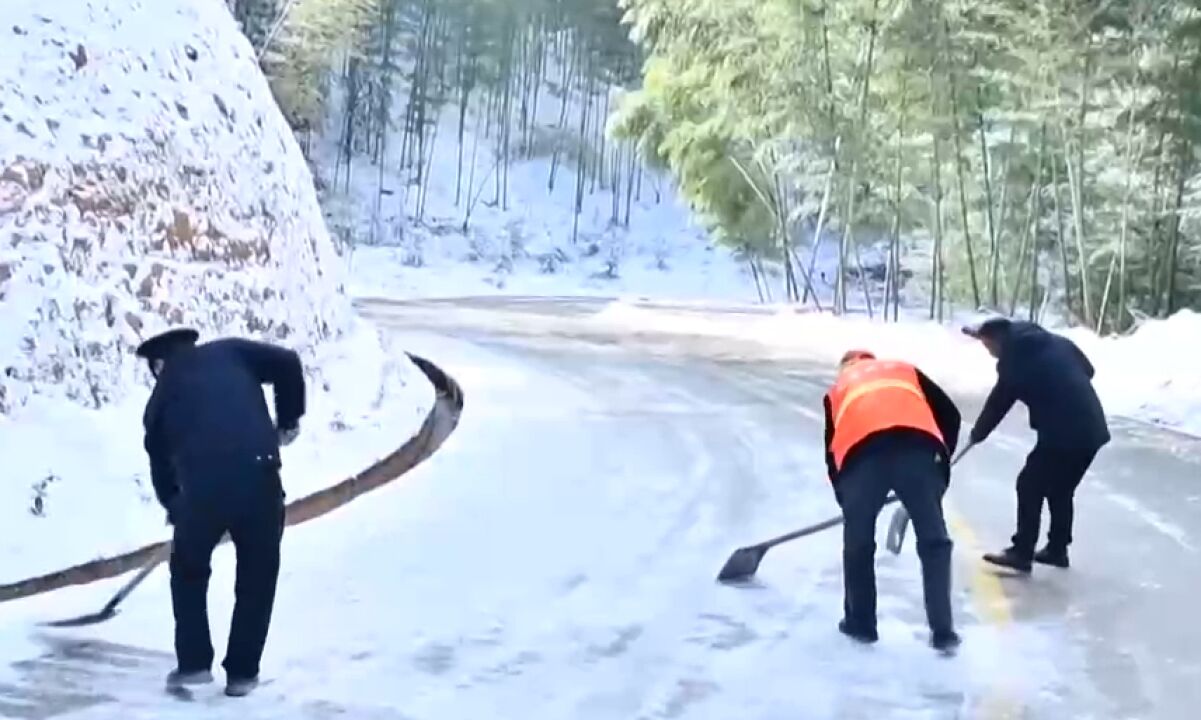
[[1150, 374], [77, 486]]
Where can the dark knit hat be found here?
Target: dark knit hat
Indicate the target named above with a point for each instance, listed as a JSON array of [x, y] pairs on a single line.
[[989, 329], [163, 344]]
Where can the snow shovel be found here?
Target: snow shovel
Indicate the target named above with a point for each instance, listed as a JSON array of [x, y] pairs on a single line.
[[110, 608], [900, 519], [745, 561]]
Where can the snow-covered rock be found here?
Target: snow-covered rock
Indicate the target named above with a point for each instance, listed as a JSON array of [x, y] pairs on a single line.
[[146, 179]]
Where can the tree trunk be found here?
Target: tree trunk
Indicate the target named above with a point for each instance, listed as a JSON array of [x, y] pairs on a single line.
[[1076, 181], [467, 83], [571, 68], [936, 271], [1118, 261], [582, 164], [1078, 234], [1060, 234], [1174, 250], [630, 184], [423, 189], [986, 173], [819, 230], [967, 232], [848, 233]]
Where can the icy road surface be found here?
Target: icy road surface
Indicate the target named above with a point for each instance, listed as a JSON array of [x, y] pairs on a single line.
[[555, 561]]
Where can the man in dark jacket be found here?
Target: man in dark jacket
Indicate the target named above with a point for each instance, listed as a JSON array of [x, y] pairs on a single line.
[[889, 427], [1053, 378], [215, 463]]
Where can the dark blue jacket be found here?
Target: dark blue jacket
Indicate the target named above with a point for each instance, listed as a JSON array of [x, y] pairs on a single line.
[[1053, 378], [207, 422]]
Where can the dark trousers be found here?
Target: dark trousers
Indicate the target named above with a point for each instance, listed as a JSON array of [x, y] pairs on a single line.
[[1052, 474], [254, 518], [911, 470]]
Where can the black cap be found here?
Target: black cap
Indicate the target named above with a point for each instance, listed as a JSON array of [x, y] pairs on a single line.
[[163, 344], [991, 328]]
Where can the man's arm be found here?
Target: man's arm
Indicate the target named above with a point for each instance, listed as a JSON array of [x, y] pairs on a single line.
[[946, 414], [162, 474], [831, 468], [281, 369], [998, 404]]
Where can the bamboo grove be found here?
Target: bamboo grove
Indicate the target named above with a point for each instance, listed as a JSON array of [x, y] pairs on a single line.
[[1008, 154], [1019, 154], [495, 66]]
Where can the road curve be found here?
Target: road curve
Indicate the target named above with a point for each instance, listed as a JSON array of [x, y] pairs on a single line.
[[1111, 638]]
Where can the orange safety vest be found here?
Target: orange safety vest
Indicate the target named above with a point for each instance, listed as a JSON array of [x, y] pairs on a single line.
[[874, 395]]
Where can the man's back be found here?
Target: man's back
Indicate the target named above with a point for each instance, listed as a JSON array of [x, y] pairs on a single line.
[[1053, 378], [208, 408]]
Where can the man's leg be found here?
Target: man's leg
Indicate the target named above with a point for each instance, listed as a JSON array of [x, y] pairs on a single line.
[[1032, 485], [919, 484], [256, 535], [197, 532], [1070, 469], [861, 493]]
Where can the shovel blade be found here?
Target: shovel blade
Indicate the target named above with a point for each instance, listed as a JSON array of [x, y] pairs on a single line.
[[742, 564], [896, 531], [83, 620]]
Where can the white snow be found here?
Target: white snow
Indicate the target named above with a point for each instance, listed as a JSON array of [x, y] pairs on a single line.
[[148, 180], [1149, 374]]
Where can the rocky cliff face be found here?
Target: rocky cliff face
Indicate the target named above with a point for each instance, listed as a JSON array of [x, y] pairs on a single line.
[[147, 179]]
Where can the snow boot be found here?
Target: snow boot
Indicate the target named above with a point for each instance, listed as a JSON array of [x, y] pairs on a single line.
[[945, 641], [855, 633], [177, 679], [241, 687], [1052, 556], [1010, 558]]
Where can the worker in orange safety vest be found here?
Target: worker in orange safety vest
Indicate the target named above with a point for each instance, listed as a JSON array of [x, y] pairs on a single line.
[[889, 427]]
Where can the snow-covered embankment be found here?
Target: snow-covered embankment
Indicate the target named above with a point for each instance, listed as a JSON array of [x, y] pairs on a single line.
[[147, 180]]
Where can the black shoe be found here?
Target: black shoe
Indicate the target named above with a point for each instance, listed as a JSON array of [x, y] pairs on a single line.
[[178, 679], [1010, 558], [866, 637], [946, 641], [240, 687], [1052, 556]]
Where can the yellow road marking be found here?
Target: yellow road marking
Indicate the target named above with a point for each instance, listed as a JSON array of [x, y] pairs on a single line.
[[988, 596]]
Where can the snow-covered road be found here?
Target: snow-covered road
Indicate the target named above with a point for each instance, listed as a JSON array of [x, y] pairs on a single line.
[[555, 560]]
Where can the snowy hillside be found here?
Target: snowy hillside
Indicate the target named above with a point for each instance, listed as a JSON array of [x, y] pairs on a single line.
[[147, 180], [477, 228], [145, 175]]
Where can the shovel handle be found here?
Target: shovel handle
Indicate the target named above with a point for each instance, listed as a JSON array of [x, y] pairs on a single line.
[[825, 524], [155, 558], [963, 451], [900, 519]]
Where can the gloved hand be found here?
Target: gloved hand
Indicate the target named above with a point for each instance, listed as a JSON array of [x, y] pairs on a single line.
[[287, 435]]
